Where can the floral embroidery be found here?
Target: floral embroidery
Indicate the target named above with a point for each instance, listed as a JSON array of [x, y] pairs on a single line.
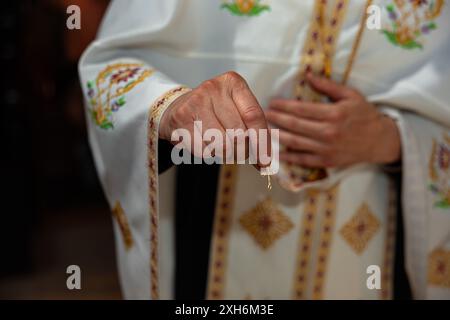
[[439, 172], [107, 93], [410, 21], [245, 7]]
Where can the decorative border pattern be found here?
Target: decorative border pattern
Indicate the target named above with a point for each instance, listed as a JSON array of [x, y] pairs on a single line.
[[319, 47], [325, 241], [439, 172], [318, 51], [305, 243], [156, 111], [389, 246], [221, 232], [122, 221], [106, 95]]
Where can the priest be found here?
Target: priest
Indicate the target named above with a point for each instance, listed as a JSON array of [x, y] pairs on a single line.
[[352, 105]]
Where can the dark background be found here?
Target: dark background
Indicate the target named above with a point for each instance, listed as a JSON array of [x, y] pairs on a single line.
[[53, 212]]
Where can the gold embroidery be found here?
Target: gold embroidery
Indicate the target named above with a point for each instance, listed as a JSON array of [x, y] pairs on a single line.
[[446, 138], [220, 244], [122, 221], [305, 243], [411, 21], [389, 247], [105, 100], [356, 43], [431, 169], [360, 229], [266, 223], [156, 111], [439, 268], [325, 241], [317, 55], [222, 224], [439, 172]]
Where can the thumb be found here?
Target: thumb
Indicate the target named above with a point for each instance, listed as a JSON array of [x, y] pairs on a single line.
[[328, 87]]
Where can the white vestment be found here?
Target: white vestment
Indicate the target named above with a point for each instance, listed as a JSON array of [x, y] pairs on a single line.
[[326, 233]]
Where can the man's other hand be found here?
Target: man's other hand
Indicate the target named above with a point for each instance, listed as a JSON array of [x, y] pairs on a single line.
[[346, 131]]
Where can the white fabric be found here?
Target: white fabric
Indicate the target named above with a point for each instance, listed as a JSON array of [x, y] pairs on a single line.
[[191, 41]]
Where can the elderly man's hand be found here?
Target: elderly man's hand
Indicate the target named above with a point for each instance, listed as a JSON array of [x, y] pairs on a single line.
[[221, 103], [347, 131]]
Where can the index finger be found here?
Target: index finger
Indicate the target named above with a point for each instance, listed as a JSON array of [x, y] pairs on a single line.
[[309, 110], [247, 105], [330, 88], [252, 115]]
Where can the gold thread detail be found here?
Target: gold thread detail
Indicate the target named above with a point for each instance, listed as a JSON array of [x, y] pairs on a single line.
[[156, 111], [122, 221], [317, 54], [360, 229], [266, 223], [356, 43], [326, 238], [439, 268], [305, 243], [389, 247], [122, 77]]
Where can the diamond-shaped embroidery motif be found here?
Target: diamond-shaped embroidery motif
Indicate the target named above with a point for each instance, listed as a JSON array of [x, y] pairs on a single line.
[[439, 268], [360, 229], [266, 223]]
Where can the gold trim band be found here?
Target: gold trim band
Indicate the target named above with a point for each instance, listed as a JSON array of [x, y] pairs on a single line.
[[155, 113], [389, 247], [305, 243], [325, 241]]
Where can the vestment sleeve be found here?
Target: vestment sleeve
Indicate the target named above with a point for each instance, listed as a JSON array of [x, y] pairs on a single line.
[[125, 97]]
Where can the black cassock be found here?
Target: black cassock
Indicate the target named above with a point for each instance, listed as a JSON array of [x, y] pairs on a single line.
[[196, 188]]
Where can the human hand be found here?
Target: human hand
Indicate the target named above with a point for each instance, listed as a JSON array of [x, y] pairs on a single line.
[[346, 131], [224, 102]]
